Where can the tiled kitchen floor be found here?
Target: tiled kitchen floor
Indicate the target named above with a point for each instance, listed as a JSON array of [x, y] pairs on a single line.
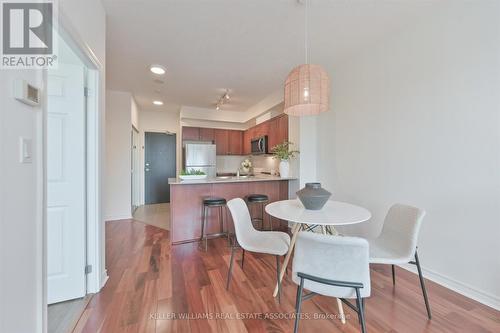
[[157, 215]]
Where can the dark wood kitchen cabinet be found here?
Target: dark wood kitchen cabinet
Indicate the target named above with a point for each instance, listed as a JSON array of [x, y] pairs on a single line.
[[221, 141], [278, 131], [261, 129], [198, 134], [190, 133], [248, 135], [275, 128], [235, 142], [229, 142], [207, 134]]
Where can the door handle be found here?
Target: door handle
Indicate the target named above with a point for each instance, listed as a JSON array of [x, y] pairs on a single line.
[[147, 164], [147, 169]]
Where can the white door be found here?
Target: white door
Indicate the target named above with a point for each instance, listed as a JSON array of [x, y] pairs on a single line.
[[66, 183]]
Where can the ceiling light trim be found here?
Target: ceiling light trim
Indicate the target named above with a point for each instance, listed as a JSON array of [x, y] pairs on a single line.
[[157, 69]]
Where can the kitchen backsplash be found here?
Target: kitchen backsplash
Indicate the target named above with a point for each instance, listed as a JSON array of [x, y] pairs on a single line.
[[261, 163]]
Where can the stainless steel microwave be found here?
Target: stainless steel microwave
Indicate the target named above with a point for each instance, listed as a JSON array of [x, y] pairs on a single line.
[[259, 145]]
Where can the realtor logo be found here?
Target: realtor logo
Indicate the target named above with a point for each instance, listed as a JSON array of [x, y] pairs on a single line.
[[28, 34]]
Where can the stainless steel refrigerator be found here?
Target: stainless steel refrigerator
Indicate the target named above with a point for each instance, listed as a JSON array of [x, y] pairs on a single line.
[[201, 156]]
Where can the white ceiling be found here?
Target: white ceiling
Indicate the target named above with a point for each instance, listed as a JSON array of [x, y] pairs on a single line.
[[247, 46]]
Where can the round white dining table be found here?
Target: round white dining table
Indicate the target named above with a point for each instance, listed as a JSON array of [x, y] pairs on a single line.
[[334, 213]]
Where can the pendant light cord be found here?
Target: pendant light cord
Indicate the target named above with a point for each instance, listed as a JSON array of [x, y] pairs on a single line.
[[306, 35]]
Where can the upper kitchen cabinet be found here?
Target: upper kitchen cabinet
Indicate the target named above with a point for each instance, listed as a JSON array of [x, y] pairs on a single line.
[[228, 142], [207, 134], [198, 134], [235, 142], [261, 129], [278, 131], [190, 133], [221, 141], [248, 135]]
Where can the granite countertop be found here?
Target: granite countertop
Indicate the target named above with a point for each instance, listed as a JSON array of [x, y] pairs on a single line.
[[256, 178]]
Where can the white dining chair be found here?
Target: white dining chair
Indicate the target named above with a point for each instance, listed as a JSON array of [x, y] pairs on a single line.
[[397, 243], [332, 266], [269, 242]]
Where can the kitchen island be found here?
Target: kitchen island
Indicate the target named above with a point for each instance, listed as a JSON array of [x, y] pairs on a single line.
[[186, 197]]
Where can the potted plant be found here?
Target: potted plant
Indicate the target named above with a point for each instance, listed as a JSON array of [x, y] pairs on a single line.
[[192, 174], [246, 165], [283, 153]]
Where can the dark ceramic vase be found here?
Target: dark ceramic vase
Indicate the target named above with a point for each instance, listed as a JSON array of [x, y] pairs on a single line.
[[313, 196]]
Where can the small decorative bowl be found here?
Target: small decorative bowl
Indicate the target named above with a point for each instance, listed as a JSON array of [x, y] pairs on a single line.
[[313, 196]]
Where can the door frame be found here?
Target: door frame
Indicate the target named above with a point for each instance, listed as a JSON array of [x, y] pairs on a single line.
[[95, 229], [136, 167], [142, 175]]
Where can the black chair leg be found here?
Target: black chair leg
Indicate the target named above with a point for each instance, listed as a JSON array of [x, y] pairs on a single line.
[[224, 222], [393, 276], [298, 304], [230, 267], [203, 227], [361, 310], [422, 284], [242, 258], [278, 277]]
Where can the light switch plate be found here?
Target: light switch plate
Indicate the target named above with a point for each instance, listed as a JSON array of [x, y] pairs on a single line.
[[26, 150]]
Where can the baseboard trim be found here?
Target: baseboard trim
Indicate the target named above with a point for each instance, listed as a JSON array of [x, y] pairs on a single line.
[[457, 286], [104, 278], [118, 217]]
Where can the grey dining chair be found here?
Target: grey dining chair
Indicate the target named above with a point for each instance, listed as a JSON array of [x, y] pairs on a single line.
[[332, 266], [270, 242]]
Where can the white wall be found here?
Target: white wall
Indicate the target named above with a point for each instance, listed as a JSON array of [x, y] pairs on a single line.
[[21, 192], [159, 121], [134, 114], [118, 155], [20, 210], [416, 120]]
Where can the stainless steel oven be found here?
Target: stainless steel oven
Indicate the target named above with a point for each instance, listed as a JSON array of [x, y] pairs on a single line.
[[259, 145]]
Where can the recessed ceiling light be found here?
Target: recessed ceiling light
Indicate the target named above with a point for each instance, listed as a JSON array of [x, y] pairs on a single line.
[[157, 69], [157, 102]]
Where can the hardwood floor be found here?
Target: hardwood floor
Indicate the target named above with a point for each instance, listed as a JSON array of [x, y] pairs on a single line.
[[152, 285], [62, 317]]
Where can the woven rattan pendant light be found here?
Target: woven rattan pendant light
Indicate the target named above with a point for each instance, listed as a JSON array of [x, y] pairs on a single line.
[[307, 87]]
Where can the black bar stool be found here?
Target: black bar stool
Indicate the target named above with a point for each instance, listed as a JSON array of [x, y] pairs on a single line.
[[262, 200], [213, 202]]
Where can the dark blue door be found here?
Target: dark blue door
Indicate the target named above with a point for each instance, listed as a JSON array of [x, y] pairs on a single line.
[[160, 153]]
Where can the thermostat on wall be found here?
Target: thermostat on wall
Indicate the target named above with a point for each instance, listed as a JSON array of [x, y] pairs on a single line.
[[26, 93]]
